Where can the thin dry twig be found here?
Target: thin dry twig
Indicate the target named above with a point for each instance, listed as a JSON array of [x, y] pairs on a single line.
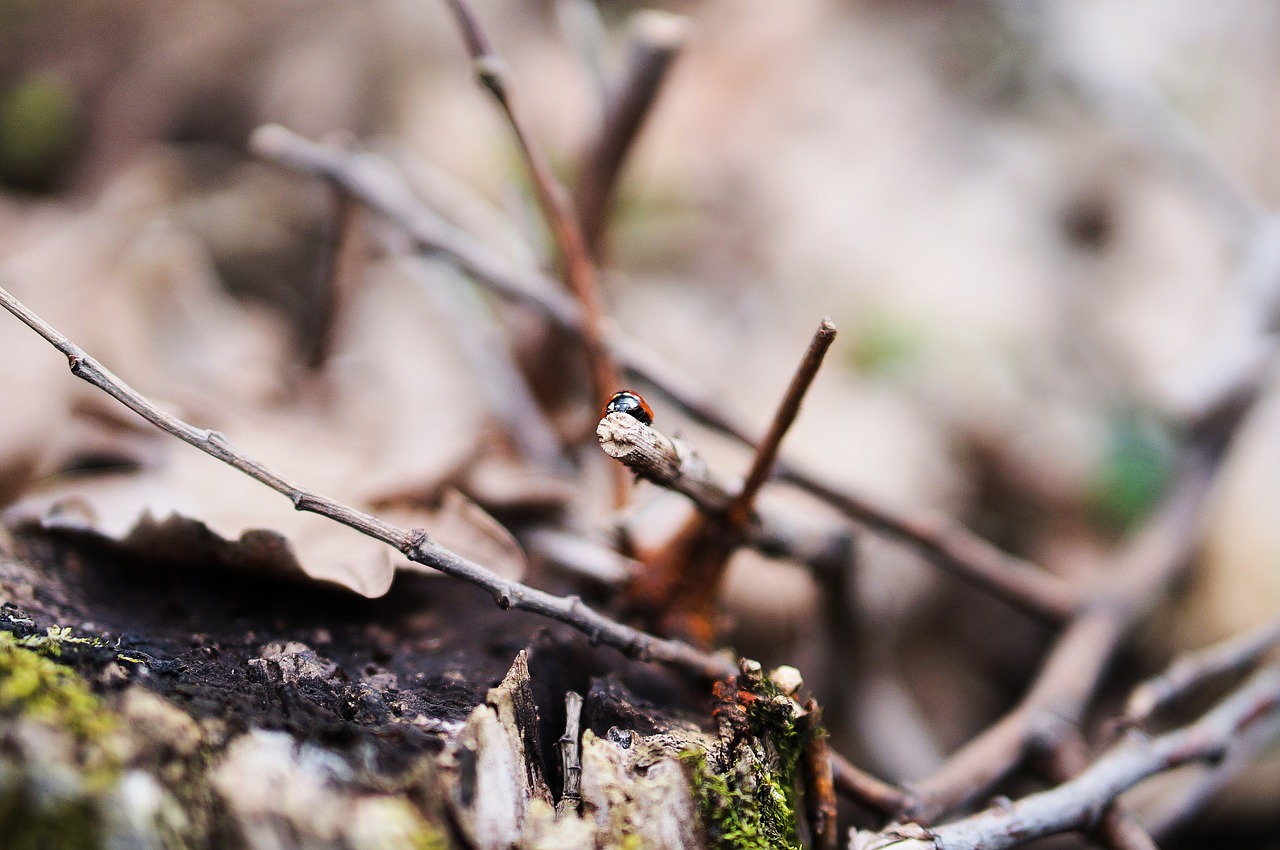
[[1233, 655], [415, 544], [942, 542], [1116, 829], [656, 39], [867, 790], [819, 786], [553, 199], [1079, 803], [683, 579], [767, 451], [675, 464]]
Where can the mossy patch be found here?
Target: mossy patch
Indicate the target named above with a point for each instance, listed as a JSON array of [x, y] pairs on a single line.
[[747, 792], [36, 687], [49, 800]]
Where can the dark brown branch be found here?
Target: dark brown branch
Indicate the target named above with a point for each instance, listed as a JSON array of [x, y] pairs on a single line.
[[949, 545], [942, 542], [656, 40], [1079, 803], [553, 199], [416, 545], [1234, 655], [767, 451]]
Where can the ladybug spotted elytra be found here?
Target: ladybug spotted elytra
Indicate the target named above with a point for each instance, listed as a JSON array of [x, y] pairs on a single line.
[[630, 403]]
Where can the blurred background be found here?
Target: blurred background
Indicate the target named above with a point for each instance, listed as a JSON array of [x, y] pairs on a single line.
[[1044, 230]]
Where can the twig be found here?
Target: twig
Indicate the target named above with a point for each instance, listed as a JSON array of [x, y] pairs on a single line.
[[1116, 828], [949, 545], [667, 462], [944, 543], [557, 208], [656, 40], [683, 580], [1183, 806], [819, 787], [1233, 655], [675, 464], [1079, 803], [767, 451], [570, 757], [867, 790], [414, 544]]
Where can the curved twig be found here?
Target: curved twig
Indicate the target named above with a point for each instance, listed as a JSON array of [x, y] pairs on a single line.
[[416, 545]]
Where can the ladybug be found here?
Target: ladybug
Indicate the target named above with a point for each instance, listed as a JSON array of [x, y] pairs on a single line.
[[632, 404]]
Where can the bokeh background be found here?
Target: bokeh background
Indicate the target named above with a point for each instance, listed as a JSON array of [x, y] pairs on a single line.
[[1044, 230]]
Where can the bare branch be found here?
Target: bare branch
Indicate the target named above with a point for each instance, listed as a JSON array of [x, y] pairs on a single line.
[[867, 790], [949, 545], [415, 544], [1233, 655], [1080, 803], [767, 451], [656, 40], [676, 465], [1116, 829]]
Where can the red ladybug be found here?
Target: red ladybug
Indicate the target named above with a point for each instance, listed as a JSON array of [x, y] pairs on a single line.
[[630, 403]]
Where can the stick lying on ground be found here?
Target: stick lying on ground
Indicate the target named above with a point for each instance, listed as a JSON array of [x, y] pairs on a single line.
[[415, 544]]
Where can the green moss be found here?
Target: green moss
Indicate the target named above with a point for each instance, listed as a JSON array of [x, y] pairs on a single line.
[[51, 643], [49, 799], [747, 798], [33, 686]]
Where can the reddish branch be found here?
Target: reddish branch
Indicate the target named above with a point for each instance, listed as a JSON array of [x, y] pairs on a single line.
[[680, 588], [415, 544], [942, 542], [553, 198]]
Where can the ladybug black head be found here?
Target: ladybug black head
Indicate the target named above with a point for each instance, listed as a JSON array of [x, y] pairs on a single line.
[[630, 403]]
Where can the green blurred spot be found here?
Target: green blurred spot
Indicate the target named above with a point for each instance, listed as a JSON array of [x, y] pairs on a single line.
[[1134, 474], [884, 344], [39, 120]]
